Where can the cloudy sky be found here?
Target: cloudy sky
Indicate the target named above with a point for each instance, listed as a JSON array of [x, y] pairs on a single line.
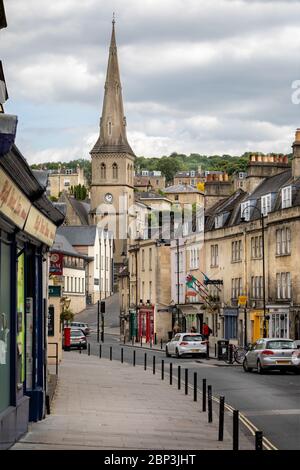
[[205, 76]]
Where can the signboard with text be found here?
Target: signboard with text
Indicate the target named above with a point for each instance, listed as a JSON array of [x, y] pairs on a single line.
[[40, 227], [56, 264], [13, 204]]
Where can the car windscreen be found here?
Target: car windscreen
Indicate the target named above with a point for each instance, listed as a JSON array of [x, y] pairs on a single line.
[[76, 333], [192, 338], [281, 345]]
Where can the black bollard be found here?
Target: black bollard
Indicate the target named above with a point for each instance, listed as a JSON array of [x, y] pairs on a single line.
[[133, 360], [230, 353], [207, 350], [132, 340], [89, 349], [100, 351], [235, 443], [162, 369], [209, 403], [204, 395], [179, 378], [122, 355], [161, 344], [110, 353], [195, 386], [141, 341], [145, 361], [80, 348], [221, 418], [124, 339], [186, 381], [155, 338], [150, 343], [258, 440], [171, 373], [153, 359], [215, 350]]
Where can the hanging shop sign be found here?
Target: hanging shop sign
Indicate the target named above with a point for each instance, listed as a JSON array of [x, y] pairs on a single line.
[[40, 227], [13, 204], [56, 264], [54, 291]]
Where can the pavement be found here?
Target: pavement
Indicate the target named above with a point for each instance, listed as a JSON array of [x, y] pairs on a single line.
[[103, 404]]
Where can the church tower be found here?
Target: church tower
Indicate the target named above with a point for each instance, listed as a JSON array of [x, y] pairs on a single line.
[[112, 156]]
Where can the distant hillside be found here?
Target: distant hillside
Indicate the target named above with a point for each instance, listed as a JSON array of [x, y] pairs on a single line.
[[168, 165]]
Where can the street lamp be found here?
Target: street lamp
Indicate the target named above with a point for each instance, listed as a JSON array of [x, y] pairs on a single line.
[[261, 216]]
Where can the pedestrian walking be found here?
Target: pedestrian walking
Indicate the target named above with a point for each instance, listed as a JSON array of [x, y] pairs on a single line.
[[206, 331]]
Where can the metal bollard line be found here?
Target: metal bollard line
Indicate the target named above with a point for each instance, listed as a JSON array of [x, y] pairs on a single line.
[[258, 440], [155, 338], [221, 418], [124, 339], [141, 341], [132, 341], [145, 361], [110, 353], [122, 355], [89, 349], [235, 443], [133, 360], [195, 386], [171, 373], [162, 369], [209, 403], [179, 378], [161, 344], [204, 395], [100, 351], [153, 359], [207, 350], [186, 381]]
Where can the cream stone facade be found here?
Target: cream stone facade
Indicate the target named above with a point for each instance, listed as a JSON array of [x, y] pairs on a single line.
[[64, 179]]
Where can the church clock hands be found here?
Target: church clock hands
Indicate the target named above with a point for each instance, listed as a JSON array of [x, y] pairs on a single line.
[[108, 198]]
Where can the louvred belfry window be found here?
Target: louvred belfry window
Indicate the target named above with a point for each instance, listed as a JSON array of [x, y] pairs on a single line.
[[3, 89]]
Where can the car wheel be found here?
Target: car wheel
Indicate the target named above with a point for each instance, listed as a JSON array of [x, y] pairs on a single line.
[[177, 354], [167, 352], [246, 367], [260, 370]]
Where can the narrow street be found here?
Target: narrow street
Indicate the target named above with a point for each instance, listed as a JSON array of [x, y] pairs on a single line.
[[270, 402]]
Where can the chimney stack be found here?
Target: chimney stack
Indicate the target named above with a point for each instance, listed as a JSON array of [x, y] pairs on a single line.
[[296, 155]]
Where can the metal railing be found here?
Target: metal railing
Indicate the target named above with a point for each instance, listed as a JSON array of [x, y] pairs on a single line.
[[54, 357]]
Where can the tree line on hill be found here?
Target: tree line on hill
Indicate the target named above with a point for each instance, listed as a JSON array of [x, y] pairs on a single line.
[[169, 165]]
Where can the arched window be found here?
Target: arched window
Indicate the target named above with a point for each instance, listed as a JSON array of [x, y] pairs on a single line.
[[109, 128], [103, 171], [115, 171]]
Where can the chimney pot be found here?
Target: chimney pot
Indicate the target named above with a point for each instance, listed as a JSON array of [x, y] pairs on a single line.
[[297, 136]]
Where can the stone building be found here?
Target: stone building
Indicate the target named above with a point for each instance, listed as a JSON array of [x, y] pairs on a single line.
[[149, 180], [234, 252], [64, 179]]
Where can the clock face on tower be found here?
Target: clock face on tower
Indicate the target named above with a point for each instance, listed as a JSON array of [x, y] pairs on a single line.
[[108, 198]]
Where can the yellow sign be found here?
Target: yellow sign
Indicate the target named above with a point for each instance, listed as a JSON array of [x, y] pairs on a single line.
[[40, 227], [13, 204], [201, 187], [242, 300]]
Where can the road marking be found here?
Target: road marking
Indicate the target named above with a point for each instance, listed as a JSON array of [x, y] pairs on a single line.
[[272, 412]]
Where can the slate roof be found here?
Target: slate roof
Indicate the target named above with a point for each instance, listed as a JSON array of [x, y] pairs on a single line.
[[231, 206], [61, 244], [79, 235], [42, 177], [181, 188], [82, 209]]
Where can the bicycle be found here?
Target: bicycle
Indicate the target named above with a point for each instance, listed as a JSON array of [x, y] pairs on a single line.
[[237, 354]]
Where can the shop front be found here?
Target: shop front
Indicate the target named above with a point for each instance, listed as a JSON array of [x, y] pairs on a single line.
[[26, 233], [279, 321], [231, 323], [257, 324]]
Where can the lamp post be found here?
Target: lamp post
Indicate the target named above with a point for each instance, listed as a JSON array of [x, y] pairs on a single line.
[[261, 216]]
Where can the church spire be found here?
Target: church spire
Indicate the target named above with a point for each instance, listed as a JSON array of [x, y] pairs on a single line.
[[112, 136]]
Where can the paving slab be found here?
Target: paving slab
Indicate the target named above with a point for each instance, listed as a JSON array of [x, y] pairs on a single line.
[[103, 404]]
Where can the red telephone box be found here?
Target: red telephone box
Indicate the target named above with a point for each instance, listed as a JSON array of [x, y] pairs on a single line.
[[146, 322], [67, 338]]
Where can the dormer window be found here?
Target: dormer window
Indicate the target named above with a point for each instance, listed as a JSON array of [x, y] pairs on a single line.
[[219, 221], [245, 210], [286, 197], [266, 204]]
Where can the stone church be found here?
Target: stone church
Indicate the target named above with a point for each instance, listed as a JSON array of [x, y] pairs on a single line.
[[112, 190]]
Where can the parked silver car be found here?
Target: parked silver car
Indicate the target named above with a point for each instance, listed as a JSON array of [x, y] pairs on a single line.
[[83, 326], [186, 343], [272, 354]]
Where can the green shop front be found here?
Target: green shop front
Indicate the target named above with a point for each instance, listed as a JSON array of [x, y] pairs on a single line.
[[28, 224]]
